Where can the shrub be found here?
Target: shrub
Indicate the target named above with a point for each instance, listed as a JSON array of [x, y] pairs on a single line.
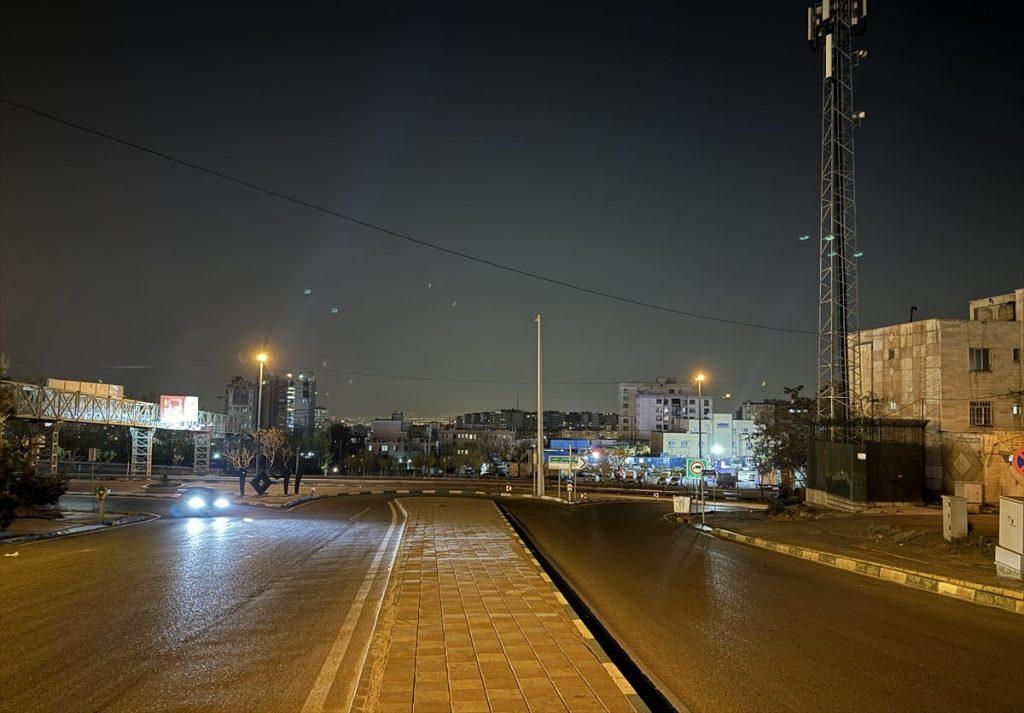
[[22, 487]]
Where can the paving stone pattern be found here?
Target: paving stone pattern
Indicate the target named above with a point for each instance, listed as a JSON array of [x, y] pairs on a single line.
[[470, 623]]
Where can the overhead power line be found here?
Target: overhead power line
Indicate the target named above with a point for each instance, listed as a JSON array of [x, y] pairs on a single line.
[[400, 235]]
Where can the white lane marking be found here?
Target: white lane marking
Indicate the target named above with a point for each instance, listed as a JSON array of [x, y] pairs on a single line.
[[350, 699], [325, 679], [619, 679]]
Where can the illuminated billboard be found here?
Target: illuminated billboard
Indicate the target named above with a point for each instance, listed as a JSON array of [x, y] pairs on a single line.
[[179, 409]]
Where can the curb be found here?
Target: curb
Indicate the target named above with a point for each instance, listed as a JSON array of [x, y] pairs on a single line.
[[1010, 600], [623, 684], [155, 496], [80, 529], [283, 506]]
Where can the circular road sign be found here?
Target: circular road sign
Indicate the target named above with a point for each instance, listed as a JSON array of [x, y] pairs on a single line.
[[1018, 461], [695, 468]]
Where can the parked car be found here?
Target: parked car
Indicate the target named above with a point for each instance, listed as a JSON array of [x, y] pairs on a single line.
[[436, 471]]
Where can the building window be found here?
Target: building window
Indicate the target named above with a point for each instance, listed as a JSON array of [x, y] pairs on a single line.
[[1016, 355], [981, 413], [891, 355], [979, 360]]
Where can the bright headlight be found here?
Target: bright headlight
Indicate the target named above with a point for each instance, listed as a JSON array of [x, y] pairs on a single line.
[[221, 502], [196, 502]]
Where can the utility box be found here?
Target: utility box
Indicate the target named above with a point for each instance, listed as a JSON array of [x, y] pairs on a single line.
[[972, 492], [1010, 550], [681, 504], [954, 517]]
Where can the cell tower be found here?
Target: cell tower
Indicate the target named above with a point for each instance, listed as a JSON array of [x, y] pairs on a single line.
[[831, 25]]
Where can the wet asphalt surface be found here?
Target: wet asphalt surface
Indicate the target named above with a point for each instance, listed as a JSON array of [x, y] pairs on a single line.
[[188, 614], [222, 614], [721, 626]]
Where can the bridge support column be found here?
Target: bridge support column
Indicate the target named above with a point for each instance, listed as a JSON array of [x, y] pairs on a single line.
[[201, 453], [51, 448], [141, 462]]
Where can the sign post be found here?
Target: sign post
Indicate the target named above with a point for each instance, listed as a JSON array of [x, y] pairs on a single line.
[[695, 468], [101, 495]]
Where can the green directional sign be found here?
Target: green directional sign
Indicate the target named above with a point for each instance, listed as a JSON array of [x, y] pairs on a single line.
[[695, 468]]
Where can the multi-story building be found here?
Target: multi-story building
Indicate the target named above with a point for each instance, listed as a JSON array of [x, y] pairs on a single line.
[[240, 402], [401, 440], [965, 376], [589, 421], [321, 417], [658, 406], [289, 401], [719, 437]]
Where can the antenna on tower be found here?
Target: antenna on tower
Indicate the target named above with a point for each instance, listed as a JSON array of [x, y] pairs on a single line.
[[831, 26]]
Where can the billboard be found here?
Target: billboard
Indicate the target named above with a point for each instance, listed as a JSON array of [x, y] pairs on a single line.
[[179, 409], [577, 444]]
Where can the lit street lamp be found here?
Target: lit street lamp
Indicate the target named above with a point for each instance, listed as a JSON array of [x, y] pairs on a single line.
[[262, 359]]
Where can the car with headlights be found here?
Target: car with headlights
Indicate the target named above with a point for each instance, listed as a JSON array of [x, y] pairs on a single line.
[[201, 502]]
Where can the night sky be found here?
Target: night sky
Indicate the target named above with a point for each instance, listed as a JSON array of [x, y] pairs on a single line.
[[666, 152]]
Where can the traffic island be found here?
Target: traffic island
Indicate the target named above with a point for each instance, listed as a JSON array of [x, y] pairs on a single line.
[[906, 550], [471, 623], [74, 522]]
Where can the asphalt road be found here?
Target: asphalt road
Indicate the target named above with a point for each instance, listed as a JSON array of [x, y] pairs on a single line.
[[195, 614], [721, 626]]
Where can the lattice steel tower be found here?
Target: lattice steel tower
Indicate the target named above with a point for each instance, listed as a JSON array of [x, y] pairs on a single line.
[[831, 25]]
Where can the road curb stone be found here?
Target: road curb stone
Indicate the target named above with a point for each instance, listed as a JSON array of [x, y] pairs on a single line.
[[80, 529], [984, 594]]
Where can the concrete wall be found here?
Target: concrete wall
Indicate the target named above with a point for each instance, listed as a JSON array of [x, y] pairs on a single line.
[[982, 458]]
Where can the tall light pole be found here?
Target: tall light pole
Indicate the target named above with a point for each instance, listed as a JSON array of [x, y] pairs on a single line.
[[538, 482], [700, 438], [262, 359]]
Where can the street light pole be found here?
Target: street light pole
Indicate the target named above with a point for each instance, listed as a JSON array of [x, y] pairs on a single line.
[[262, 359], [538, 483], [700, 442]]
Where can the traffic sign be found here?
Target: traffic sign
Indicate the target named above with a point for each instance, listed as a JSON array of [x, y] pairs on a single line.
[[566, 463], [1018, 461], [695, 467]]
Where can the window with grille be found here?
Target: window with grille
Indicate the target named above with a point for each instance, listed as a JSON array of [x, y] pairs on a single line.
[[979, 360], [981, 413]]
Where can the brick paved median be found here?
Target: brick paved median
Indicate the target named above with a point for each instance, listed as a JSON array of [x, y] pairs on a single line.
[[470, 623]]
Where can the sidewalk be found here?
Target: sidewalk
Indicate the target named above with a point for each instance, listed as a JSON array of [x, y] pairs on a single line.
[[906, 549], [471, 623]]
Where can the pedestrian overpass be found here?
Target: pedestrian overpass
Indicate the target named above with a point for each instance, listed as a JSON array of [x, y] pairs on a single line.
[[55, 407]]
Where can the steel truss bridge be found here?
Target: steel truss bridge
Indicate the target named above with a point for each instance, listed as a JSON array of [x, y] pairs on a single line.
[[55, 407]]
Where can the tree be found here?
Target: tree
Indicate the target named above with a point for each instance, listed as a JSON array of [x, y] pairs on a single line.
[[238, 455], [423, 462], [783, 438], [271, 441], [22, 487]]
